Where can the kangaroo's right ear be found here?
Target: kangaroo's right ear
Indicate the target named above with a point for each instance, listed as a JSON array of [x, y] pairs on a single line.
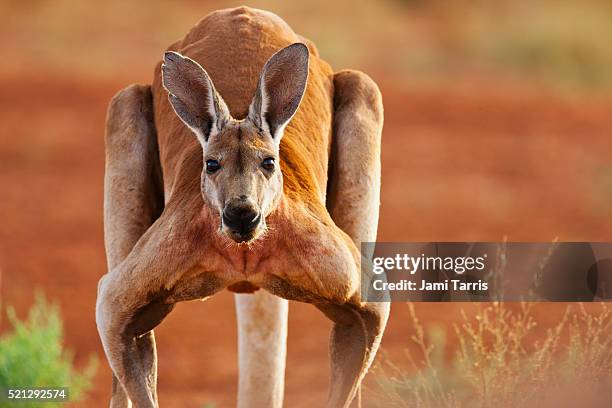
[[193, 96], [282, 84]]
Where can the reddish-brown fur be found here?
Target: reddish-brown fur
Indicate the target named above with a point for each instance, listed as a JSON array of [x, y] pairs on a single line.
[[158, 260], [248, 40]]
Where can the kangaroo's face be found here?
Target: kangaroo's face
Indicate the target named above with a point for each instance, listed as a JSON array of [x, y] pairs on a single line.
[[241, 178]]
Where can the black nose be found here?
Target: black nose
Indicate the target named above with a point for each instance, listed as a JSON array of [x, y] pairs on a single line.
[[240, 218]]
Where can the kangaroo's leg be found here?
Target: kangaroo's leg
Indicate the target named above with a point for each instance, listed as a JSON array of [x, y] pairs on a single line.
[[329, 275], [354, 341], [132, 195], [322, 267], [163, 268], [353, 194], [262, 349], [354, 182]]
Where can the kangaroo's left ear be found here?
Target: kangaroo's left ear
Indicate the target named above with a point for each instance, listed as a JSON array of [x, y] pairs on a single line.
[[280, 89]]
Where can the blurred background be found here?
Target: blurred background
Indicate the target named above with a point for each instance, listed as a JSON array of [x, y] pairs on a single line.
[[498, 123]]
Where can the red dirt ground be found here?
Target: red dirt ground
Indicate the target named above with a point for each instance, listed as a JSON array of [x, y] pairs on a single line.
[[462, 163]]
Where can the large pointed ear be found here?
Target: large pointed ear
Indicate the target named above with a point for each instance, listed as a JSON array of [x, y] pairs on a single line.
[[193, 96], [281, 86]]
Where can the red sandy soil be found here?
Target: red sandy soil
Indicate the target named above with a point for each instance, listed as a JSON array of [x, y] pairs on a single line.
[[470, 163]]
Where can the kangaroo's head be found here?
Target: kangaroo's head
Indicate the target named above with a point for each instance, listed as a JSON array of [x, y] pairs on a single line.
[[241, 178]]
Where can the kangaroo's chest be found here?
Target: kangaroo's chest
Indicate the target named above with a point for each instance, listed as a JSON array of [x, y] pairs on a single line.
[[285, 249]]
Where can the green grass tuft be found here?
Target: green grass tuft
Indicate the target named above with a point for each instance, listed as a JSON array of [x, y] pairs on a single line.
[[33, 355]]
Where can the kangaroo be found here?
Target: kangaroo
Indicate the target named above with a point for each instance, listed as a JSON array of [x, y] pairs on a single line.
[[247, 165]]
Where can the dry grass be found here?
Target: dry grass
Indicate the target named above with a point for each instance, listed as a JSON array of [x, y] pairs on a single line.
[[499, 362]]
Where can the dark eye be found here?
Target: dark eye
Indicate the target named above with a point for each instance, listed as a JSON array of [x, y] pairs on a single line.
[[268, 164], [212, 166]]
